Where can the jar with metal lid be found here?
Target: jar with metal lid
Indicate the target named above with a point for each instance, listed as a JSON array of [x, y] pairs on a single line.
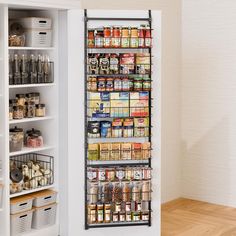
[[93, 193], [40, 110], [115, 216], [128, 216], [16, 137], [100, 212], [107, 211], [91, 38], [101, 174], [148, 37], [146, 84], [134, 41], [128, 206], [137, 172], [20, 99], [125, 84], [138, 85], [34, 140], [129, 173], [30, 108], [146, 173], [115, 41], [136, 216], [99, 38], [33, 97], [118, 206], [101, 84], [18, 112], [109, 84], [131, 84], [107, 36], [117, 84], [92, 213], [125, 39], [146, 191]]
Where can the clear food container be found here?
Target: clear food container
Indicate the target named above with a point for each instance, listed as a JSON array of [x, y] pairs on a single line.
[[16, 137]]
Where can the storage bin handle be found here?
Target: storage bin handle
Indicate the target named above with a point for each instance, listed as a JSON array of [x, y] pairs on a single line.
[[43, 21], [47, 197], [42, 32], [47, 209], [23, 204], [23, 216]]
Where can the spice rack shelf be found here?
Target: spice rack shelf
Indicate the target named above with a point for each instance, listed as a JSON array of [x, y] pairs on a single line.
[[127, 109], [31, 85], [32, 48], [25, 120], [31, 191], [26, 150]]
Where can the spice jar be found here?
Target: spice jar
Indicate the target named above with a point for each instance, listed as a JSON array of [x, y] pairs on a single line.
[[146, 191], [145, 216], [146, 173], [99, 213], [134, 41], [115, 216], [115, 42], [117, 84], [136, 216], [141, 40], [30, 108], [148, 37], [99, 38], [137, 172], [110, 174], [128, 206], [16, 137], [101, 174], [40, 110], [91, 39], [92, 213], [101, 84], [93, 193], [120, 173], [107, 211], [92, 174], [128, 216], [20, 99], [109, 84], [126, 193], [118, 207], [33, 97], [128, 173], [18, 112], [136, 192], [122, 216], [107, 36], [125, 37], [125, 84], [146, 84], [138, 85]]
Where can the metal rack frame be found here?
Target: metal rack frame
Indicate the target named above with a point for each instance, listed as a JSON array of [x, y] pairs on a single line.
[[87, 165]]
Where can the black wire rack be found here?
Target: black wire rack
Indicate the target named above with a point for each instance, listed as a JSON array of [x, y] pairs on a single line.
[[96, 109]]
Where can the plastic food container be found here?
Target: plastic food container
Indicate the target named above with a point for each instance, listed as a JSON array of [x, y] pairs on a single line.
[[16, 138], [21, 222], [36, 23], [44, 198], [21, 204], [38, 38], [44, 216]]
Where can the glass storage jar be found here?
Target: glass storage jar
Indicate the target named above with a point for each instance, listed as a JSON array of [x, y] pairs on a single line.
[[33, 97], [18, 112], [16, 137], [40, 110], [30, 109], [20, 99]]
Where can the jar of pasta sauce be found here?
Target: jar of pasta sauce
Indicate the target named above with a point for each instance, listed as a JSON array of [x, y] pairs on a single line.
[[91, 39], [115, 42], [134, 41], [99, 38], [125, 40], [107, 36]]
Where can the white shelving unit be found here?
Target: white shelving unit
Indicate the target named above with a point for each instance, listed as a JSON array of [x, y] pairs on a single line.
[[49, 125]]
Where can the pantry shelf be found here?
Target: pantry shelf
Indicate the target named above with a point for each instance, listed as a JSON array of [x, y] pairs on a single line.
[[117, 163], [118, 224], [26, 150], [26, 120], [31, 48], [31, 85], [24, 192]]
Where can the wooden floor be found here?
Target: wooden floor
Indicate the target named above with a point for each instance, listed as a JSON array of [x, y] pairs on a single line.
[[193, 218]]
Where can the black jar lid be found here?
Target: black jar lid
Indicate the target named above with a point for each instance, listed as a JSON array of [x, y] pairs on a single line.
[[30, 95], [16, 129], [33, 131], [40, 106], [20, 95], [12, 101]]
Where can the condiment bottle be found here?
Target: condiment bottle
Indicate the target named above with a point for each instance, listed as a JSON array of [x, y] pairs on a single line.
[[134, 41], [99, 38], [148, 37], [91, 38], [125, 40], [107, 36], [115, 42], [141, 41], [107, 210]]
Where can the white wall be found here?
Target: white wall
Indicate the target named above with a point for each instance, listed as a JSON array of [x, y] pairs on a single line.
[[171, 64], [209, 100]]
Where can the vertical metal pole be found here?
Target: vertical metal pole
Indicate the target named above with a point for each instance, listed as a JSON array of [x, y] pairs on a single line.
[[150, 108], [85, 121]]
